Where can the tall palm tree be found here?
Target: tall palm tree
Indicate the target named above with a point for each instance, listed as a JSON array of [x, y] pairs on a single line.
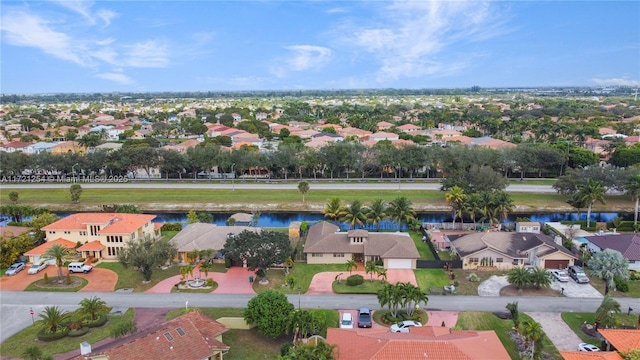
[[604, 313], [333, 209], [354, 214], [61, 255], [52, 318], [590, 192], [632, 187], [472, 207], [607, 265], [515, 314], [533, 333], [92, 307], [400, 211], [371, 268], [303, 187], [503, 204], [455, 197], [205, 267], [487, 205], [376, 213], [351, 264], [382, 273]]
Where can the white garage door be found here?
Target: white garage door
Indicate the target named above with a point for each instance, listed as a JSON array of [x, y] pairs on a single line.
[[399, 264]]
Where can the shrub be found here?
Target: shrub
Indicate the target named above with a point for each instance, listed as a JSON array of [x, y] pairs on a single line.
[[621, 285], [210, 282], [634, 275], [101, 320], [355, 280], [79, 332], [95, 260], [284, 349], [82, 260], [473, 277], [68, 280], [227, 263], [44, 336], [171, 227], [456, 283], [46, 278], [74, 325]]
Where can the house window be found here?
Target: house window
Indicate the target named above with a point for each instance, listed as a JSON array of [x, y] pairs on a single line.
[[515, 262], [83, 233], [316, 255], [499, 260], [67, 232], [473, 260], [338, 255]]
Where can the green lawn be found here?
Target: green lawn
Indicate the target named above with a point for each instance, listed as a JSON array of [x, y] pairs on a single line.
[[634, 288], [473, 320], [428, 278], [303, 273], [423, 248], [15, 345], [39, 285], [367, 287], [576, 319], [466, 287], [130, 278], [213, 313]]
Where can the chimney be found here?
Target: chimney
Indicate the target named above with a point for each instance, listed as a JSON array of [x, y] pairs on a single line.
[[85, 348]]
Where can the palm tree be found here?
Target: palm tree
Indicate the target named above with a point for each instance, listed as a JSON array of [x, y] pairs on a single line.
[[503, 204], [371, 268], [92, 307], [400, 211], [540, 277], [515, 314], [607, 265], [604, 313], [32, 352], [532, 332], [456, 197], [303, 187], [472, 207], [589, 193], [205, 267], [61, 255], [354, 214], [389, 296], [519, 276], [52, 318], [333, 209], [350, 265], [487, 206], [632, 187], [376, 213], [413, 296], [382, 273]]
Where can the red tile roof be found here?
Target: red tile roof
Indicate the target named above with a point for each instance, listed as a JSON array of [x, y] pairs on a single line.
[[116, 223], [624, 340], [598, 355], [40, 250], [13, 230], [95, 245], [426, 342], [166, 342]]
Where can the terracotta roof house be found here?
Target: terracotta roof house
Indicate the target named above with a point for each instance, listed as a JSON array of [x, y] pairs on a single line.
[[384, 125], [426, 342], [597, 355], [491, 143], [623, 340], [381, 135], [505, 250], [183, 146], [627, 244], [112, 230], [12, 231], [409, 128], [15, 146], [35, 253], [190, 336], [201, 236], [68, 147], [326, 244]]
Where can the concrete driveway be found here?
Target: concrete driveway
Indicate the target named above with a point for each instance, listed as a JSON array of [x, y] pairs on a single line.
[[492, 286], [322, 282], [99, 280], [557, 330], [234, 281]]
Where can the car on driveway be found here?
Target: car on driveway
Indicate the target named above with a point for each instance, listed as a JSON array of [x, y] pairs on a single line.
[[347, 321], [404, 326], [587, 347], [560, 275], [364, 318], [14, 269], [36, 268], [578, 274]]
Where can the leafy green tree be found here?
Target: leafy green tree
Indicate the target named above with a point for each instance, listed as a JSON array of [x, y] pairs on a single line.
[[333, 209], [270, 311], [412, 297], [319, 351], [145, 254], [303, 324], [376, 213], [354, 214], [61, 255], [519, 277], [401, 211], [52, 318], [12, 247], [382, 273], [128, 209], [192, 217], [75, 190], [350, 265], [38, 222], [604, 312], [632, 187], [607, 265], [260, 250], [591, 192], [13, 197], [303, 187], [371, 268], [93, 307]]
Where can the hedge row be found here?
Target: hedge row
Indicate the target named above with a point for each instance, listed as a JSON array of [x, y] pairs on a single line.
[[44, 336]]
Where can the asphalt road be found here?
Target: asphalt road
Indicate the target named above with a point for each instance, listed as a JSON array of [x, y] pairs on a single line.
[[14, 308], [250, 184]]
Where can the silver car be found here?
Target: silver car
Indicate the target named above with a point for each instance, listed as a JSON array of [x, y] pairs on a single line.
[[14, 269], [560, 275], [36, 268]]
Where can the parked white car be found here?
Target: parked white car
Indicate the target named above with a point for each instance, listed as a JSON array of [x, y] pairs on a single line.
[[560, 275], [347, 321], [587, 347], [404, 326], [36, 268]]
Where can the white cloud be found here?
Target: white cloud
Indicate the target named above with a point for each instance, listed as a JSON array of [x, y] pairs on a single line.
[[305, 57], [413, 38], [147, 54], [24, 29], [84, 8], [115, 77], [615, 82]]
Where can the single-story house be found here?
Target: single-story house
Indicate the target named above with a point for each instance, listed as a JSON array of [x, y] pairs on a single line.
[[426, 342], [627, 244], [13, 231], [202, 236], [37, 252], [190, 336], [326, 244], [242, 218], [505, 250]]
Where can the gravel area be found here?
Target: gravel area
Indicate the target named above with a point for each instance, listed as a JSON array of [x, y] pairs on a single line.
[[492, 286]]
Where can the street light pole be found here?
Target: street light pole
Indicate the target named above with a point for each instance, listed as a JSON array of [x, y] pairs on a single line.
[[399, 176], [299, 292], [233, 177]]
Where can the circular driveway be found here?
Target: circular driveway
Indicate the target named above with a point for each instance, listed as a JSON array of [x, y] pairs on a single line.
[[99, 280], [322, 283], [492, 286]]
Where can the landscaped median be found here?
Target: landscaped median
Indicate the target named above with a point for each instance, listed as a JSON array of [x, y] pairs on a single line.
[[68, 284]]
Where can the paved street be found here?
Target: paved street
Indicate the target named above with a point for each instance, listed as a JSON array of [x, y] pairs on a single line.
[[14, 311]]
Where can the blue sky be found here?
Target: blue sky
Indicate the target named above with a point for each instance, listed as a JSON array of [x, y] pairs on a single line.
[[104, 46]]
